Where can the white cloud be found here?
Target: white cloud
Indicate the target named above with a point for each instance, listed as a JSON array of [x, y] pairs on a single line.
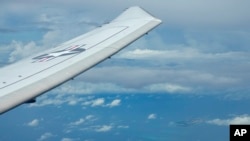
[[142, 53], [67, 139], [101, 102], [89, 117], [33, 123], [58, 99], [114, 103], [170, 88], [72, 102], [85, 120], [79, 87], [243, 119], [152, 116], [48, 101], [98, 102], [180, 53], [78, 122], [21, 50], [45, 136], [167, 79], [104, 128]]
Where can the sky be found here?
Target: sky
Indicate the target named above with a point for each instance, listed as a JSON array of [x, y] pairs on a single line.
[[186, 80]]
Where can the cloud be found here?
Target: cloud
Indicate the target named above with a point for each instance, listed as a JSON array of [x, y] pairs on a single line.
[[191, 79], [242, 119], [78, 122], [77, 86], [45, 101], [46, 136], [152, 116], [104, 128], [73, 102], [67, 139], [142, 53], [184, 53], [85, 120], [182, 13], [33, 123], [114, 103], [169, 88], [21, 50], [98, 102], [58, 99], [89, 117], [192, 13]]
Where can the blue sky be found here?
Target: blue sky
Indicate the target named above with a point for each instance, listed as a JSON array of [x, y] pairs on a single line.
[[186, 80]]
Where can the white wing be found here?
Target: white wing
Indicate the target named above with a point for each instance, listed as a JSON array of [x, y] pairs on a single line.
[[29, 78]]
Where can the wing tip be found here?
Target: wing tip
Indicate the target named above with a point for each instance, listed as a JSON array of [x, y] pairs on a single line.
[[136, 12]]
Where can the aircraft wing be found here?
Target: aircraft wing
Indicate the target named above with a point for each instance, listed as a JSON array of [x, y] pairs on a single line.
[[23, 81]]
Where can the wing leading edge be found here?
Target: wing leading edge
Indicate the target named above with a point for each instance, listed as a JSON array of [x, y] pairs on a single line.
[[31, 77]]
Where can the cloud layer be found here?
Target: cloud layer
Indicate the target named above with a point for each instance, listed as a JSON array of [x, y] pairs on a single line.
[[200, 47], [242, 119]]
